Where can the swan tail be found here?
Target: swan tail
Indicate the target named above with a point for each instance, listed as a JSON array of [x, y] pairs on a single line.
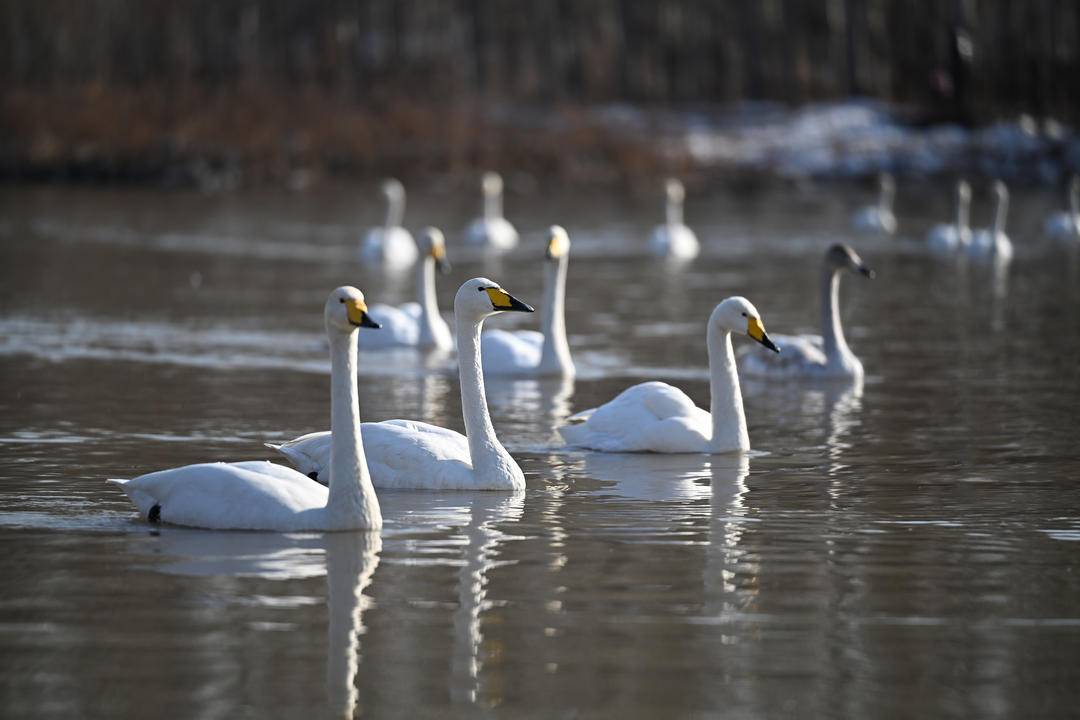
[[143, 502]]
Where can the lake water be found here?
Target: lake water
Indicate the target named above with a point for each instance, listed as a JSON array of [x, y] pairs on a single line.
[[910, 548]]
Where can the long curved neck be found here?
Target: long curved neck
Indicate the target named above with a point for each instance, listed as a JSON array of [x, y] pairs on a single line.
[[832, 333], [492, 205], [426, 297], [674, 211], [555, 354], [728, 418], [885, 199], [352, 502], [1000, 214], [963, 211], [351, 559], [395, 210], [487, 453]]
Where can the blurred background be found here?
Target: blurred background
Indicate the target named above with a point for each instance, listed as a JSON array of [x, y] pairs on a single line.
[[254, 92]]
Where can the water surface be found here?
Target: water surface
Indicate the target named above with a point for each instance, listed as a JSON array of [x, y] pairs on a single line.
[[907, 547]]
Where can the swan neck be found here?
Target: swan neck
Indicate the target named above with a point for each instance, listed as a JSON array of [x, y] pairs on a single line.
[[484, 447], [492, 204], [1074, 199], [425, 295], [963, 212], [729, 431], [395, 210], [555, 355], [1000, 215], [832, 333], [885, 199], [674, 211], [352, 502]]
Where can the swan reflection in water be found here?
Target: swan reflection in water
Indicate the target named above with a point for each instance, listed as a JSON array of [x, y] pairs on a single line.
[[348, 559], [538, 405]]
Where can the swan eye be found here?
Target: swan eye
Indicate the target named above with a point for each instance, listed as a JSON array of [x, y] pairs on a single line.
[[342, 300], [744, 314]]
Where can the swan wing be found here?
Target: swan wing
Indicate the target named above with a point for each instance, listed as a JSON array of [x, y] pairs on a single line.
[[943, 238], [243, 496], [502, 351], [649, 417]]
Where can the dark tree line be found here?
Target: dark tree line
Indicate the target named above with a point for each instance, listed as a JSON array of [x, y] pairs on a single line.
[[969, 59]]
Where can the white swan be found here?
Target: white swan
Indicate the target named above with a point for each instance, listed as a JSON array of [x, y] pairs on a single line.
[[878, 218], [492, 230], [527, 352], [673, 239], [390, 246], [415, 324], [1065, 225], [656, 417], [259, 495], [410, 455], [825, 355], [992, 243], [949, 238]]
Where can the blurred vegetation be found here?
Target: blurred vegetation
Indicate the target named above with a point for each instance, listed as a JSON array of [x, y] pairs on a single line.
[[278, 91]]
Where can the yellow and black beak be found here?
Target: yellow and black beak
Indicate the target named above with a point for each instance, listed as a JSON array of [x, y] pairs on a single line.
[[358, 314], [439, 253], [504, 301], [756, 330]]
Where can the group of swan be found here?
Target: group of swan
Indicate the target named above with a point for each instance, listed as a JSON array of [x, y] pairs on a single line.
[[392, 247], [259, 495], [959, 239]]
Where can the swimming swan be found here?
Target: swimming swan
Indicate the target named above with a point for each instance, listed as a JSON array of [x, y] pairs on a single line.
[[878, 218], [390, 246], [411, 455], [531, 353], [993, 243], [492, 230], [259, 495], [948, 238], [825, 355], [656, 417], [416, 324], [673, 239], [1065, 225]]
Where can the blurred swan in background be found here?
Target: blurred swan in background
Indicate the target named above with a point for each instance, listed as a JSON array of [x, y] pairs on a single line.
[[492, 230], [878, 218], [993, 243], [673, 239], [1065, 225], [413, 455], [825, 355], [948, 238], [390, 246], [527, 352], [259, 495], [416, 324], [656, 417]]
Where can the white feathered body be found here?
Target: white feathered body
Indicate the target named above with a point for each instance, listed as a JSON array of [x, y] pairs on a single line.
[[987, 245], [1063, 226], [403, 455], [389, 247], [253, 495], [947, 238], [648, 417], [506, 352], [496, 233], [874, 219], [674, 240], [402, 326], [801, 356]]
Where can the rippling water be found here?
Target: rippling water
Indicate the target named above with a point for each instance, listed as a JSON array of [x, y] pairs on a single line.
[[909, 547]]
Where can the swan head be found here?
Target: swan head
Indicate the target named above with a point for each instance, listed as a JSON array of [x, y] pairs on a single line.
[[674, 190], [491, 184], [963, 191], [558, 243], [433, 244], [392, 189], [842, 257], [1001, 192], [738, 315], [479, 298], [346, 310]]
